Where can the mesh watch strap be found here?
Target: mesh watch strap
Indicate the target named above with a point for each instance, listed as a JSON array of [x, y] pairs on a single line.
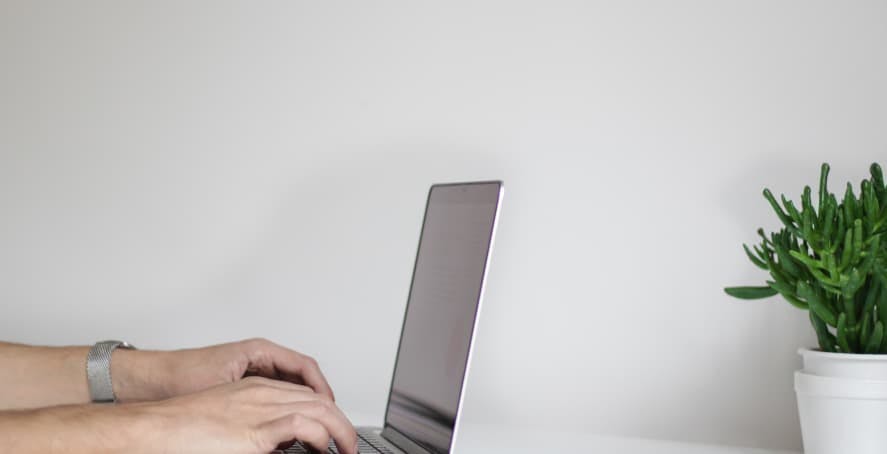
[[98, 370]]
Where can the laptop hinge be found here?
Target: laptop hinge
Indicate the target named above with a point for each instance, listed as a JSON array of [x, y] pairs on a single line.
[[401, 441]]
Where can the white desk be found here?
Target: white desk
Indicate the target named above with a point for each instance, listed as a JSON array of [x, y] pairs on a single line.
[[492, 439]]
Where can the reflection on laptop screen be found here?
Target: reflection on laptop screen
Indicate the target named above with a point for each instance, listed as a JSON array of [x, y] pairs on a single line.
[[441, 310]]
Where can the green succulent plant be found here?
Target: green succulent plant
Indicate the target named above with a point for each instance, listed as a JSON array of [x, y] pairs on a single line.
[[830, 260]]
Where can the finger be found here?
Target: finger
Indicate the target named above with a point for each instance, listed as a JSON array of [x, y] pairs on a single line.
[[256, 372], [261, 363], [328, 414], [294, 366], [294, 427], [257, 381]]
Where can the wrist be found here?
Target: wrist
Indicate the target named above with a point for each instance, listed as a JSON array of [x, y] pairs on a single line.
[[139, 375]]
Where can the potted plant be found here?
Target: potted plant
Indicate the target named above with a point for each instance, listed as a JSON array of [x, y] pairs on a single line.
[[830, 259]]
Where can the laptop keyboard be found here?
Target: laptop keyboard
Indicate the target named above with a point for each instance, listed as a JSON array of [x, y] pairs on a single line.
[[368, 442]]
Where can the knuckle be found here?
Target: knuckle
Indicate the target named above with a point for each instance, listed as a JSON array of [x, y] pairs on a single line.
[[256, 342], [310, 361]]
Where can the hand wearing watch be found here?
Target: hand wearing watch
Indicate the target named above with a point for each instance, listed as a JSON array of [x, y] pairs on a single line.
[[98, 370]]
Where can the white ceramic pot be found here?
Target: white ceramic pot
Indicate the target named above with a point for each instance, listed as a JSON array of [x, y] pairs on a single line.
[[842, 402]]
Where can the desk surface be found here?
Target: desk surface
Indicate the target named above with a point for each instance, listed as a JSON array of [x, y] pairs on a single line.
[[488, 438]]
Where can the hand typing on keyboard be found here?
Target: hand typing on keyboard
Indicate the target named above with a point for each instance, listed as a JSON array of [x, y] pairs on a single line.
[[186, 401], [141, 375], [272, 414], [255, 416]]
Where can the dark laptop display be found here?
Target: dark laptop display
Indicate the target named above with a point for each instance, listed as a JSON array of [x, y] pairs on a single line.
[[443, 303]]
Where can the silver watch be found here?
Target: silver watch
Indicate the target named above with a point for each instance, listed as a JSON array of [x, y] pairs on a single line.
[[98, 370]]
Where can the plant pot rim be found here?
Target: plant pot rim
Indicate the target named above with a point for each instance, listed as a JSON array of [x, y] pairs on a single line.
[[854, 356]]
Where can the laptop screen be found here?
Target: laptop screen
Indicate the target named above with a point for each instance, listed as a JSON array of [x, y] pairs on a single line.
[[441, 310]]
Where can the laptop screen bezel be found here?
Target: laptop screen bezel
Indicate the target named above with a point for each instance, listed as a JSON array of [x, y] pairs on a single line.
[[390, 432]]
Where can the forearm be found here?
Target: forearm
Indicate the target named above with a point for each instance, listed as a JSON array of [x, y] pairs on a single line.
[[32, 377], [75, 429], [42, 376]]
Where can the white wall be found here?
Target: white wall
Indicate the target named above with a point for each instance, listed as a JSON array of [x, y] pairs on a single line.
[[184, 173]]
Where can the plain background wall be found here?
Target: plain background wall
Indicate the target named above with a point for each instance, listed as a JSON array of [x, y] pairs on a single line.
[[185, 173]]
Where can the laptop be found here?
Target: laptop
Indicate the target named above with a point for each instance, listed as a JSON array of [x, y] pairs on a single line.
[[436, 340]]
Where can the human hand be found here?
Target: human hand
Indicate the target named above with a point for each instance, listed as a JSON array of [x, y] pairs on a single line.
[[153, 375], [254, 416]]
